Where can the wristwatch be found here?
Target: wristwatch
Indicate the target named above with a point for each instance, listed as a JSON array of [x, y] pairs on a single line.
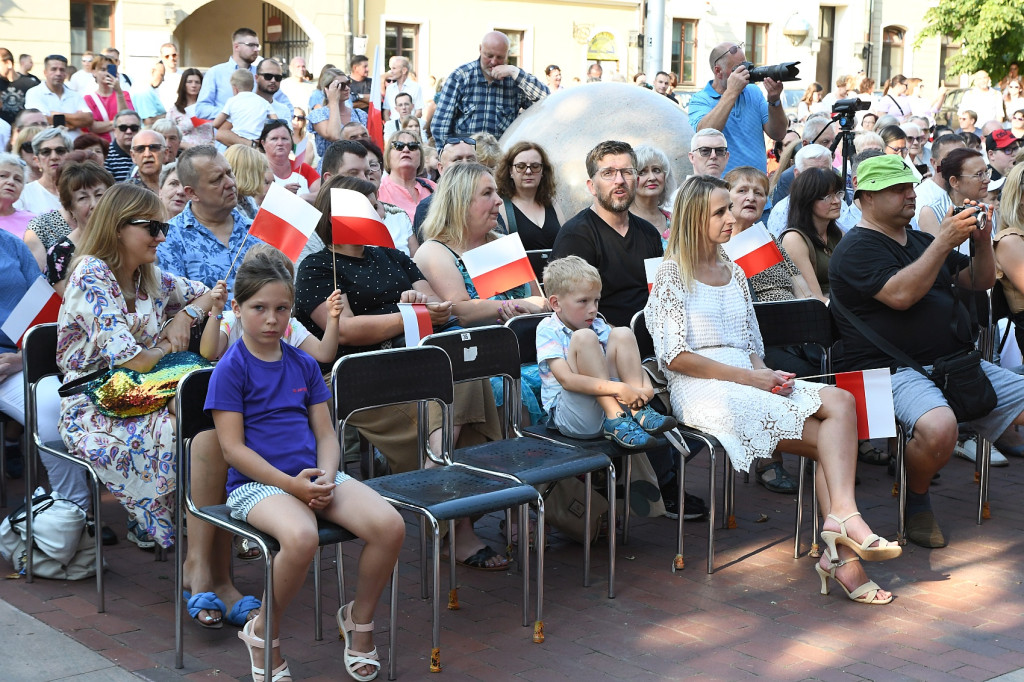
[[193, 311], [776, 103]]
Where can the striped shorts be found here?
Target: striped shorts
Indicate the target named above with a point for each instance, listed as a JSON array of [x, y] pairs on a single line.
[[243, 498]]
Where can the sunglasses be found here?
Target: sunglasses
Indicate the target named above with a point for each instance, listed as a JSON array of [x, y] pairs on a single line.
[[272, 77], [706, 151], [298, 118], [732, 50], [45, 152], [141, 148], [456, 140], [155, 227], [402, 146], [134, 128], [390, 80]]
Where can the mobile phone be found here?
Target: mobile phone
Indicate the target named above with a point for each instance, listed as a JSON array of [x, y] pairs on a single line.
[[112, 70], [58, 120]]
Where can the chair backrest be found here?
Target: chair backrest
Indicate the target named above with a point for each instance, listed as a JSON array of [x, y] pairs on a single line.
[[479, 353], [39, 353], [363, 381], [790, 323], [644, 342], [192, 415], [525, 329]]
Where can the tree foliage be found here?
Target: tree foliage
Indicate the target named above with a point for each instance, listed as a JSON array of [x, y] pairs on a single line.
[[991, 31]]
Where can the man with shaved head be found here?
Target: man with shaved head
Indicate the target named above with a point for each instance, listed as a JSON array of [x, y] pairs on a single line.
[[485, 95]]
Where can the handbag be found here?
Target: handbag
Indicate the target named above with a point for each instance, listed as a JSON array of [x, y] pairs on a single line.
[[63, 547], [564, 506], [126, 393]]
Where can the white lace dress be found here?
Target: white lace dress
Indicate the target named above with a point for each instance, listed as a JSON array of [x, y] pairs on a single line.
[[719, 323]]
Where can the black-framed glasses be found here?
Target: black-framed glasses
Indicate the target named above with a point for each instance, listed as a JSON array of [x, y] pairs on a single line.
[[898, 150], [390, 80], [298, 118], [155, 227], [706, 151], [141, 148], [45, 152], [456, 140], [272, 77], [732, 50], [402, 146], [26, 147], [532, 167], [1011, 150], [134, 128]]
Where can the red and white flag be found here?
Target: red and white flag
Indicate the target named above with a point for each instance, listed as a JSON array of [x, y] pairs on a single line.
[[374, 117], [39, 305], [872, 390], [416, 319], [498, 266], [300, 154], [651, 266], [354, 220], [753, 249], [196, 121], [285, 221]]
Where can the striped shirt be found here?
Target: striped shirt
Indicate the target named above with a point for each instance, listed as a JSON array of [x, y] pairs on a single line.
[[119, 162]]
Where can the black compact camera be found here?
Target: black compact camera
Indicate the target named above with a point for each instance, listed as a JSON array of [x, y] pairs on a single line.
[[980, 217], [786, 71], [845, 110]]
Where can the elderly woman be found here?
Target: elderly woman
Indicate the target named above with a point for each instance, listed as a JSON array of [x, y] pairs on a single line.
[[12, 182], [815, 203], [252, 177], [373, 280], [403, 160], [93, 145], [146, 314], [707, 341], [172, 138], [526, 183], [184, 108], [49, 148], [654, 184], [328, 118], [172, 192], [276, 141], [967, 176], [82, 185]]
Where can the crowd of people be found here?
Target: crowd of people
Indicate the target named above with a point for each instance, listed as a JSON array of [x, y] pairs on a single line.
[[135, 202]]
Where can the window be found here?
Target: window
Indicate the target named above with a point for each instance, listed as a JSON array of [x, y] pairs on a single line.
[[950, 48], [515, 46], [757, 44], [401, 40], [91, 27], [892, 52], [684, 48]]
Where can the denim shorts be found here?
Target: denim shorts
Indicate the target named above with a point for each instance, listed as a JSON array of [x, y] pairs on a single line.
[[242, 499]]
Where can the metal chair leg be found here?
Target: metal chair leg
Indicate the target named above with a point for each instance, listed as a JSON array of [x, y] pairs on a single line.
[[318, 616], [587, 516], [901, 478], [612, 513]]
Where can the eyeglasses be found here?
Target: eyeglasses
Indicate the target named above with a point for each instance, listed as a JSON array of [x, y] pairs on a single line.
[[135, 127], [706, 151], [254, 46], [173, 55], [45, 152], [375, 165], [344, 84], [981, 176], [26, 147], [532, 167], [898, 150], [298, 118], [390, 80], [402, 146], [141, 148], [1011, 150], [732, 50], [609, 174], [920, 138], [155, 227], [456, 140], [838, 196], [272, 77]]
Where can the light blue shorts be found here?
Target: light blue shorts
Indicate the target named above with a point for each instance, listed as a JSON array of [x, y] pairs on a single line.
[[243, 498], [578, 415]]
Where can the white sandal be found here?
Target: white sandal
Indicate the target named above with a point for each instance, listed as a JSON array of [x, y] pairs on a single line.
[[354, 660], [251, 642]]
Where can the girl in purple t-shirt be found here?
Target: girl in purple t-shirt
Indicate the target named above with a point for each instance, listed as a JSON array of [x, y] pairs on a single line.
[[269, 404]]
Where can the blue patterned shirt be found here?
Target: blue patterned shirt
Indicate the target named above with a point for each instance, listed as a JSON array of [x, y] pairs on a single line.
[[469, 104], [193, 252]]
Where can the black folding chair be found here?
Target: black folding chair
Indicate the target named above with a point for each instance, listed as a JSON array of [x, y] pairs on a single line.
[[192, 419], [39, 360], [365, 381], [486, 352]]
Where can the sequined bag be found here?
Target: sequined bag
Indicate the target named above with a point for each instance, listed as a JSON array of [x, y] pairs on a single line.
[[126, 393]]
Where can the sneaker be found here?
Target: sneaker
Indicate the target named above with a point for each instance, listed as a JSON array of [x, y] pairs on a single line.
[[968, 450], [140, 537], [653, 421], [693, 507], [627, 433], [775, 478], [15, 462]]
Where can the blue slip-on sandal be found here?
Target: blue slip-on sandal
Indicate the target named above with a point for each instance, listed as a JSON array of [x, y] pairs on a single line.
[[239, 614], [205, 601]]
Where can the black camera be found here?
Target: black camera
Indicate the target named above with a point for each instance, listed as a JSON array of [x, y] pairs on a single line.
[[844, 111], [980, 217], [786, 71]]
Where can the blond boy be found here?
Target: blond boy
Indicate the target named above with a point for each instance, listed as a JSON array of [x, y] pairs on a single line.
[[246, 110]]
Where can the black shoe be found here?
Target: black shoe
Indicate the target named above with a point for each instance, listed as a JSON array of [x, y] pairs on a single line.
[[15, 462], [108, 535], [693, 506]]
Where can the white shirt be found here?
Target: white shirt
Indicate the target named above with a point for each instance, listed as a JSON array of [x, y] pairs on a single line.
[[45, 100], [247, 112], [83, 82], [779, 217], [930, 194], [36, 199], [5, 133], [168, 90], [394, 89], [988, 104]]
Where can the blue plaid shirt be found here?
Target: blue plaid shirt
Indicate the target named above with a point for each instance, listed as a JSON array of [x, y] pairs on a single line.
[[469, 104], [193, 252]]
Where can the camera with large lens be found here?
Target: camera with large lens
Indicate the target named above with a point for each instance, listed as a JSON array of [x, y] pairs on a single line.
[[980, 217], [786, 71], [846, 110]]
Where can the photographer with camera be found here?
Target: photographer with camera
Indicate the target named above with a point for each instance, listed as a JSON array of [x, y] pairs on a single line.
[[731, 103]]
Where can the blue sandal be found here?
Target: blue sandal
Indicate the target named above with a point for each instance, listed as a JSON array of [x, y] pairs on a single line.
[[627, 433], [239, 614], [653, 421], [205, 601]]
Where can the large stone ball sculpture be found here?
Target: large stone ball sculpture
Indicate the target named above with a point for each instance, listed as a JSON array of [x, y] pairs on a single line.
[[569, 123]]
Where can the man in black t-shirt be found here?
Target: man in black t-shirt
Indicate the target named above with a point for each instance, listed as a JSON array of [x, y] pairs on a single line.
[[898, 282], [609, 237], [361, 83]]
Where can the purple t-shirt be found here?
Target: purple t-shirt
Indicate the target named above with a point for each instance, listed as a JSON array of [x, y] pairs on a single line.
[[274, 399]]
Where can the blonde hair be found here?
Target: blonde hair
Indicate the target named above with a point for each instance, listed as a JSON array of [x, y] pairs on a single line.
[[1010, 214], [690, 216], [393, 138], [446, 220], [488, 151], [118, 205], [241, 79], [568, 274], [249, 167]]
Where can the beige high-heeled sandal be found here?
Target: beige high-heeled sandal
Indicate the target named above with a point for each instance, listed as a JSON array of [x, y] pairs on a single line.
[[864, 594], [885, 549], [354, 660]]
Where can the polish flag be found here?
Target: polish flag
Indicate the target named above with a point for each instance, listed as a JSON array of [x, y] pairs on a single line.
[[872, 389], [651, 266], [39, 305], [354, 220], [374, 119], [416, 319], [300, 154], [196, 121], [285, 221], [753, 249], [498, 266]]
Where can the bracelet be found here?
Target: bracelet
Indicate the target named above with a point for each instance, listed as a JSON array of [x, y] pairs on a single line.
[[162, 351], [219, 316]]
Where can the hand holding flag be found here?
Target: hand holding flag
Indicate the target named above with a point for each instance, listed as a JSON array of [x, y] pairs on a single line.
[[355, 221], [285, 221]]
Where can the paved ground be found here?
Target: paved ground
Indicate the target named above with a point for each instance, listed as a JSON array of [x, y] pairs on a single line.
[[958, 614]]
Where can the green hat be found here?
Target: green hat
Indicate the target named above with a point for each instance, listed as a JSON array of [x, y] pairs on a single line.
[[879, 172]]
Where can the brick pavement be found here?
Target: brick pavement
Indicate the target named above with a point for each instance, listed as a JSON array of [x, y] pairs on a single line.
[[957, 616]]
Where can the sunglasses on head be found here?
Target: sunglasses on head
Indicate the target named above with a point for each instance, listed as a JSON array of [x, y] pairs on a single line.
[[456, 140], [134, 127], [732, 50], [155, 227], [402, 146], [272, 77]]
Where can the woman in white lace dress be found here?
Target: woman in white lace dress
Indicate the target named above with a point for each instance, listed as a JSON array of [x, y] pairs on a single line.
[[706, 337]]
